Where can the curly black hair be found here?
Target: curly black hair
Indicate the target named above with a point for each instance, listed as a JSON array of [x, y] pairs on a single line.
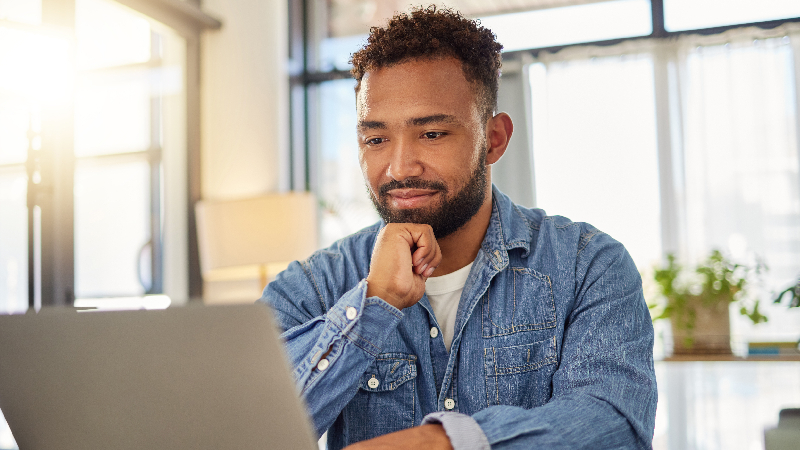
[[435, 33]]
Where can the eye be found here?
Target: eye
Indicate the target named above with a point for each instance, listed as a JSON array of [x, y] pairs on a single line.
[[375, 141], [434, 134]]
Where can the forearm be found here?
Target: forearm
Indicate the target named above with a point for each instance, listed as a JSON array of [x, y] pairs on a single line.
[[348, 337], [573, 422]]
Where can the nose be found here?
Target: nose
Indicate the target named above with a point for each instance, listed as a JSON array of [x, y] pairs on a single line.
[[404, 162]]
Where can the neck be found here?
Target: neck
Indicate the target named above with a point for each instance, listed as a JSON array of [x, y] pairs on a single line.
[[461, 247]]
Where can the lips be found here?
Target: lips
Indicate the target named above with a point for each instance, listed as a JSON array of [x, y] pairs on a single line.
[[410, 198]]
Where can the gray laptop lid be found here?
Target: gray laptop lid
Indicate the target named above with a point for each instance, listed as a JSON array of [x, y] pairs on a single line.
[[183, 378]]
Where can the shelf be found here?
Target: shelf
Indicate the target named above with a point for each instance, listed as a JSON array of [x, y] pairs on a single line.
[[758, 358]]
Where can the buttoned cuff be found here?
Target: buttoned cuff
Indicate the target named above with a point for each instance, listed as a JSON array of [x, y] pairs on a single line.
[[463, 431], [366, 321]]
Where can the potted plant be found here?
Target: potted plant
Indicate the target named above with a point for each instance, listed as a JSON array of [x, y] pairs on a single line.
[[793, 294], [697, 302]]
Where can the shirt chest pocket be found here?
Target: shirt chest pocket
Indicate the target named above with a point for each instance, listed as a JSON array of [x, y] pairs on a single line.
[[386, 398], [520, 374], [519, 299]]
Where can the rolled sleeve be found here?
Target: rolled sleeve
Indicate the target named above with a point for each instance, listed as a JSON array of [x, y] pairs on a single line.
[[462, 430]]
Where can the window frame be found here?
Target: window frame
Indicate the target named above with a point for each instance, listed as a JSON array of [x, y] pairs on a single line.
[[51, 246], [304, 16]]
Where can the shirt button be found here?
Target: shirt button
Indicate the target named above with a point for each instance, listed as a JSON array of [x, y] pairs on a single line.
[[373, 383], [449, 403], [351, 313], [323, 364], [434, 332]]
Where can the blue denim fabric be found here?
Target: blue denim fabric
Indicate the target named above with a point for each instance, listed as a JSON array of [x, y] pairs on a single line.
[[553, 345], [462, 430]]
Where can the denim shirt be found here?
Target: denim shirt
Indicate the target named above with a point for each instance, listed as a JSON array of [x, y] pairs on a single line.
[[553, 343]]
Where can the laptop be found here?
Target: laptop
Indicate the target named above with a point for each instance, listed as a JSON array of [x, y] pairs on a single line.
[[196, 377]]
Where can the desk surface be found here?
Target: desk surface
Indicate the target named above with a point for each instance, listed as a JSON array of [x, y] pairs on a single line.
[[722, 403], [759, 358]]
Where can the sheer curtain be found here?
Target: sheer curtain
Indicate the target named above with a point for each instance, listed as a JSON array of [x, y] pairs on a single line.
[[739, 146], [705, 157], [594, 143]]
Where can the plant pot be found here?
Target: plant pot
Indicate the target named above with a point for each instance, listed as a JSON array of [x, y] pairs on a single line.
[[703, 329]]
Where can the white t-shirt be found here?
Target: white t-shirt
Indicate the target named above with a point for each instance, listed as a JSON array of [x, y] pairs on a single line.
[[444, 293]]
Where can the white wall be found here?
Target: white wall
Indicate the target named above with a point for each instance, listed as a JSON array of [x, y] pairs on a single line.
[[244, 102], [244, 107]]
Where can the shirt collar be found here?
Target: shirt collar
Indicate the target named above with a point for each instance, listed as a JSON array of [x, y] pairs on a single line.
[[508, 229]]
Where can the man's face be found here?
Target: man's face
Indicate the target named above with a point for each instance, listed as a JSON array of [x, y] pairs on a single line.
[[422, 144]]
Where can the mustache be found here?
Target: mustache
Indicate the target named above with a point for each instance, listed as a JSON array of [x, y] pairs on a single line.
[[411, 183]]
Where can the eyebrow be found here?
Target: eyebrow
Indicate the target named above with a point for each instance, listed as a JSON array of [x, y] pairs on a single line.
[[415, 121], [371, 125], [436, 118]]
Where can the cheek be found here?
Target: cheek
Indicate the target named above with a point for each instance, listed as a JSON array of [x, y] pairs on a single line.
[[368, 171], [470, 155], [479, 150]]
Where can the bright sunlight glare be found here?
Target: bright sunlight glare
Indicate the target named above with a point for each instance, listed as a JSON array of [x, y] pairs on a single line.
[[34, 66]]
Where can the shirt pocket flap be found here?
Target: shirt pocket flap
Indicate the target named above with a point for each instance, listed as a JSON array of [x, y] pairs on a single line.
[[388, 371], [520, 358]]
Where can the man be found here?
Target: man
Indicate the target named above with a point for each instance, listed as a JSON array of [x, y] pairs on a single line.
[[461, 320]]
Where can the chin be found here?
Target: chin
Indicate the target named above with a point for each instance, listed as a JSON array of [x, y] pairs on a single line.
[[410, 215]]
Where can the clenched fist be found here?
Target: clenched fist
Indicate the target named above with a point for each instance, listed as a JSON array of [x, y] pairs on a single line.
[[405, 255]]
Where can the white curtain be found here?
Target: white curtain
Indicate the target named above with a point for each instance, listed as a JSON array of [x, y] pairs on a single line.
[[741, 173], [594, 143], [705, 157]]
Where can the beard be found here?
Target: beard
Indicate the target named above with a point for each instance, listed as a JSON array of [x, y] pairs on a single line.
[[448, 216]]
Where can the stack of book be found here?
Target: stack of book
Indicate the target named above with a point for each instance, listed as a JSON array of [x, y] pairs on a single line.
[[773, 348]]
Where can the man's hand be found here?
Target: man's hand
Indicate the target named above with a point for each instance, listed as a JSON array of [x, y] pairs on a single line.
[[405, 255], [427, 437]]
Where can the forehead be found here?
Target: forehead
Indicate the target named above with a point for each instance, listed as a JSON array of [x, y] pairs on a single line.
[[421, 86]]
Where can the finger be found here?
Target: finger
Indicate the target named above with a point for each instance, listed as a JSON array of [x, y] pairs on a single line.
[[427, 262], [426, 249], [434, 263], [436, 259], [398, 239], [422, 254]]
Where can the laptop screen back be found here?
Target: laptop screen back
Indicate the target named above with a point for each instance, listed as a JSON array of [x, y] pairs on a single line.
[[184, 378]]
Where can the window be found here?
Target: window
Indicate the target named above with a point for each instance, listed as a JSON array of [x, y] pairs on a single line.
[[594, 147], [23, 77], [345, 206], [34, 68], [728, 107], [572, 24], [13, 238], [93, 134], [741, 167], [27, 12], [130, 80], [98, 131], [694, 14]]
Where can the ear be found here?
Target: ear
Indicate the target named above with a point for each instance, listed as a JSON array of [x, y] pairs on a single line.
[[498, 132]]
